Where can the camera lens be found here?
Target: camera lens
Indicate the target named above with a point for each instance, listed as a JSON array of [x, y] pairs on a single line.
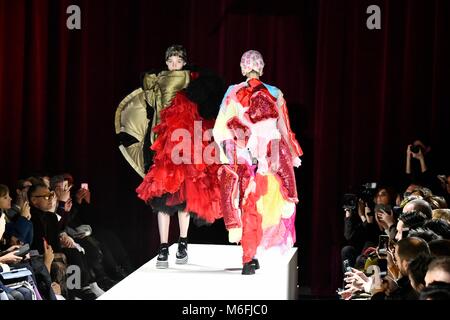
[[415, 148]]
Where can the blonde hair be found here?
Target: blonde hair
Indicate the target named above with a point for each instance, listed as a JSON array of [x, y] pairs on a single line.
[[441, 214]]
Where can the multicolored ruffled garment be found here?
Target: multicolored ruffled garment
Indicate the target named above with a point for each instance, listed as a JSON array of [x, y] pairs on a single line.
[[259, 150]]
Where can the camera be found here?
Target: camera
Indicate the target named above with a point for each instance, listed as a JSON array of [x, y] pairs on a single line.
[[415, 148], [347, 267], [366, 192]]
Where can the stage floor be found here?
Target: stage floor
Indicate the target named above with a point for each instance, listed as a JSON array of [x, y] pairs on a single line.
[[212, 273]]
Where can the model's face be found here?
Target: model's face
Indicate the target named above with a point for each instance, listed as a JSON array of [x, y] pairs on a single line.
[[175, 63]]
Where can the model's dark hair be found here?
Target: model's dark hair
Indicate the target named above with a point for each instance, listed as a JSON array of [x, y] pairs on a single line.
[[177, 51]]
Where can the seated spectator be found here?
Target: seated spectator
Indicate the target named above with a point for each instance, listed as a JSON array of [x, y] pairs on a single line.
[[17, 290], [406, 250], [417, 269], [416, 212], [115, 258], [45, 226]]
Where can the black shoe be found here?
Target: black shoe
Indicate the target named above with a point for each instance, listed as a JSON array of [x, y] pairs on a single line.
[[248, 268], [162, 262], [255, 263], [182, 256]]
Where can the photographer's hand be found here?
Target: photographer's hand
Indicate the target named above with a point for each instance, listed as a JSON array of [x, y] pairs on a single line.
[[83, 194], [25, 210], [391, 265], [347, 294], [388, 218], [348, 213], [408, 159], [357, 280], [420, 156], [10, 258], [361, 210], [368, 214]]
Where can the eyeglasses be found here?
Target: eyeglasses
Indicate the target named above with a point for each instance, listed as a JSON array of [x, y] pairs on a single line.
[[48, 196]]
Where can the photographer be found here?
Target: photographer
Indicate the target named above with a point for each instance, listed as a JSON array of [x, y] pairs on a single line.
[[419, 166], [367, 215]]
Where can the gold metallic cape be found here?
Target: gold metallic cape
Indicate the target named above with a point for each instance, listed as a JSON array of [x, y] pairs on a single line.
[[131, 114]]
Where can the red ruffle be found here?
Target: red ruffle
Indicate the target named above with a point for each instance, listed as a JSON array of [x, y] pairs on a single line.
[[195, 184]]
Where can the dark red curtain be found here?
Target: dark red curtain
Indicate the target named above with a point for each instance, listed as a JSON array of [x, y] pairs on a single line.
[[356, 96]]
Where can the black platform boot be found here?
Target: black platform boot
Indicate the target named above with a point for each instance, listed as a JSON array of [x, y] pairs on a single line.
[[182, 256], [255, 263], [248, 268], [162, 262]]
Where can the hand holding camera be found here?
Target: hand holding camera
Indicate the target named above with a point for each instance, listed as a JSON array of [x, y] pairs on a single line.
[[83, 194], [25, 210], [347, 267], [385, 214], [62, 191], [9, 255]]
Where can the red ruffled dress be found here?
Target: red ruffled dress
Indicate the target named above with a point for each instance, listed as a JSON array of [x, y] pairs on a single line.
[[184, 170]]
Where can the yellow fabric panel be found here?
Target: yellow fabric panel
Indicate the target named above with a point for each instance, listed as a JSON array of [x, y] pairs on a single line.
[[272, 206]]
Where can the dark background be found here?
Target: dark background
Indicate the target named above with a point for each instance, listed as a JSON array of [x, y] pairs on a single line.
[[356, 97]]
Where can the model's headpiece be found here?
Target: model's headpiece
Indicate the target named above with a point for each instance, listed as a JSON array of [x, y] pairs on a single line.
[[252, 60]]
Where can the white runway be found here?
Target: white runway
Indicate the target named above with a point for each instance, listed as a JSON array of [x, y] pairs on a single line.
[[212, 273]]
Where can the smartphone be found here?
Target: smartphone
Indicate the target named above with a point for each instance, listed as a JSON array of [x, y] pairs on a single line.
[[84, 186], [347, 267], [383, 243]]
